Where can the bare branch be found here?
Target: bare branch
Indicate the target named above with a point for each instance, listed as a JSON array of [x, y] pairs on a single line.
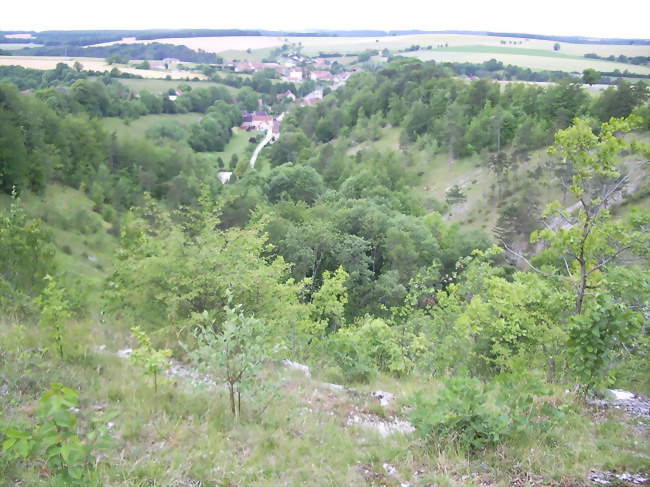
[[539, 271]]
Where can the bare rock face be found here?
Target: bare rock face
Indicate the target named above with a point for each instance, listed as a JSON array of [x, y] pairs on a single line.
[[384, 426], [296, 366], [631, 403]]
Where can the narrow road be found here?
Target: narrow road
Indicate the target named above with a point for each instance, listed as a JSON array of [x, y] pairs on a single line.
[[267, 139], [258, 149]]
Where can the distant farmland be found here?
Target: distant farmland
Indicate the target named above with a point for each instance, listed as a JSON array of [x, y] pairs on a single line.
[[531, 53], [528, 58], [95, 64]]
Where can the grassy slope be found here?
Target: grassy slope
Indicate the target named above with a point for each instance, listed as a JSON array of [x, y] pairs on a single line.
[[184, 434], [479, 211], [84, 248]]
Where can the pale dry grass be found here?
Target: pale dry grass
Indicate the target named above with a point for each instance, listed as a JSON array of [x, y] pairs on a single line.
[[95, 64]]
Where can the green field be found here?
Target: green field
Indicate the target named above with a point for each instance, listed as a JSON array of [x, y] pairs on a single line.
[[529, 58], [256, 55], [14, 46], [163, 85], [238, 144], [139, 127]]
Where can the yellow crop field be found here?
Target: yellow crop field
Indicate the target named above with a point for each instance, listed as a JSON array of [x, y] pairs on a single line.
[[96, 64]]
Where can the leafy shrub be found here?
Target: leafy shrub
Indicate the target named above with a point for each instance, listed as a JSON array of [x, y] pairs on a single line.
[[152, 361], [460, 413], [361, 352], [595, 336], [475, 416], [55, 311], [236, 348], [54, 440], [346, 350]]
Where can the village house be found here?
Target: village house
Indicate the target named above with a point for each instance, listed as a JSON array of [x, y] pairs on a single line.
[[313, 97], [321, 76], [287, 94], [257, 121]]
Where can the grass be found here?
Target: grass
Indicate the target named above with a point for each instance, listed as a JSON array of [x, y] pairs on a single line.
[[160, 86], [138, 128], [533, 61], [238, 144], [186, 436], [84, 248], [255, 55]]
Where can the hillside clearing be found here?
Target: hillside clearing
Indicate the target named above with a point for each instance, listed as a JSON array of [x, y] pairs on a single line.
[[160, 86]]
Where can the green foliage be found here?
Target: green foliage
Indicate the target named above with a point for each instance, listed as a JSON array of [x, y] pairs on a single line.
[[369, 347], [26, 257], [55, 312], [591, 240], [146, 356], [475, 416], [595, 336], [460, 413], [298, 183], [55, 440], [234, 349], [182, 272], [328, 303], [515, 318]]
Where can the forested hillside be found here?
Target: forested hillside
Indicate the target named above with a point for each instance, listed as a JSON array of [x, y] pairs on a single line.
[[173, 313]]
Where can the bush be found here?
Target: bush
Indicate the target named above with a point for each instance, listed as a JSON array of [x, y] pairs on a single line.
[[476, 416], [352, 358], [460, 413], [54, 440], [361, 352]]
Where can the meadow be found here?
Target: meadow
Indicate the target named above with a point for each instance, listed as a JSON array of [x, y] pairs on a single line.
[[138, 128], [159, 86]]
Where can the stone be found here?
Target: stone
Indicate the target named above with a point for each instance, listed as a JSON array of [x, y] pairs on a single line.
[[384, 398], [296, 366]]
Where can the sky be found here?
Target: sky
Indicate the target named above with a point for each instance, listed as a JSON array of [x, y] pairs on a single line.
[[593, 18]]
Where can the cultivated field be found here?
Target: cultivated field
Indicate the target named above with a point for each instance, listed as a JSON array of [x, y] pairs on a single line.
[[312, 45], [532, 53], [96, 64], [526, 59], [14, 46]]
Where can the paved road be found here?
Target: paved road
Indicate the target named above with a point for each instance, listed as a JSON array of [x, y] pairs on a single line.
[[267, 139], [258, 149]]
